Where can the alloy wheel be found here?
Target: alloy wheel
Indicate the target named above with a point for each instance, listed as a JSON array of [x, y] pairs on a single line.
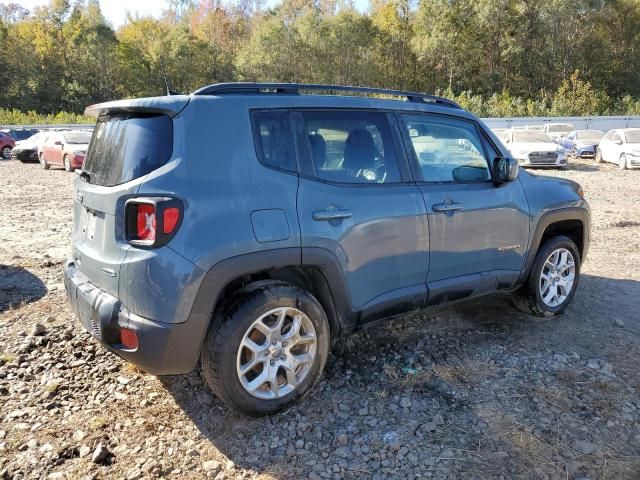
[[276, 353], [557, 277]]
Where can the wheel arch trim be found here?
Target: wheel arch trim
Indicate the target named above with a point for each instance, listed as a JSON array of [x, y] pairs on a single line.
[[549, 218]]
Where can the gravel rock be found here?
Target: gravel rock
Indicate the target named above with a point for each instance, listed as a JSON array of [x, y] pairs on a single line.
[[38, 329], [476, 389], [100, 454], [212, 466]]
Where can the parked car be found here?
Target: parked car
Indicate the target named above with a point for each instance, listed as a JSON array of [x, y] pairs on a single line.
[[534, 149], [6, 145], [66, 149], [27, 150], [250, 226], [557, 130], [581, 143], [621, 146], [19, 134]]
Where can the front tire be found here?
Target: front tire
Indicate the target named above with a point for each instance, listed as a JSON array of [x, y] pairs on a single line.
[[6, 152], [268, 350], [599, 158], [622, 163], [553, 279]]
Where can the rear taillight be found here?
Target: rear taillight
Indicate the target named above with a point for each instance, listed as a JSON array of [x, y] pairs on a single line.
[[152, 221], [146, 222]]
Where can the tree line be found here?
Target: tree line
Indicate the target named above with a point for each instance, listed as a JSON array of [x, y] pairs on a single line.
[[495, 57]]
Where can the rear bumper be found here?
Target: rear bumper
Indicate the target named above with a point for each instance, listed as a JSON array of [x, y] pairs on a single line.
[[163, 348]]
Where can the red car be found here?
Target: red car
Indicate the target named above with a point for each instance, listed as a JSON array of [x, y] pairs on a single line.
[[6, 145], [65, 149]]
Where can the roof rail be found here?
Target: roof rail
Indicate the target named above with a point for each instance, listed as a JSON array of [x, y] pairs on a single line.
[[295, 88]]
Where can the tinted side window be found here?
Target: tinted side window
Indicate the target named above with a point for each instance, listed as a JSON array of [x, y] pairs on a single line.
[[273, 139], [447, 150], [351, 146]]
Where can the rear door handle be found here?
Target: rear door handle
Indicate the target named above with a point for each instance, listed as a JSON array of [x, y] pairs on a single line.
[[328, 215], [447, 207]]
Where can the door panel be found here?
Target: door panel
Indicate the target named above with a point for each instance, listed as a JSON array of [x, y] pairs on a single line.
[[489, 231], [478, 231], [380, 238], [356, 201]]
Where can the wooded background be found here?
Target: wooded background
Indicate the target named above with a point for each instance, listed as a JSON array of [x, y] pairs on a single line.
[[495, 57]]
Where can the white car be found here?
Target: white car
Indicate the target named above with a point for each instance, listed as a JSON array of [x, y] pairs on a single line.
[[557, 130], [534, 149], [622, 147]]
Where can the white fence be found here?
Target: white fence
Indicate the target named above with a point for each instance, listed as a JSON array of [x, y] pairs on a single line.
[[596, 123]]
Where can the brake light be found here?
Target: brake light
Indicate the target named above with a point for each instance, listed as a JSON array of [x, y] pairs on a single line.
[[152, 221], [170, 218], [146, 222]]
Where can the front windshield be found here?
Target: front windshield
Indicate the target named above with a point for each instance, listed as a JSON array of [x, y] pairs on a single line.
[[560, 127], [531, 136], [632, 136], [589, 134], [77, 137]]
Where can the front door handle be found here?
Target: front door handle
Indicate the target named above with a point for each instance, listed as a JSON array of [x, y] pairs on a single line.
[[333, 214], [447, 207]]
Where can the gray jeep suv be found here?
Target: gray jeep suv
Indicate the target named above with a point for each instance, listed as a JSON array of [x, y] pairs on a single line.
[[250, 225]]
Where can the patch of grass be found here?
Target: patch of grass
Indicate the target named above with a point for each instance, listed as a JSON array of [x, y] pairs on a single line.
[[405, 379], [131, 368], [7, 358], [466, 371], [53, 387], [98, 423]]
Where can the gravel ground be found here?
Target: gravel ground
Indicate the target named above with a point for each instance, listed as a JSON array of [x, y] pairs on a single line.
[[478, 390]]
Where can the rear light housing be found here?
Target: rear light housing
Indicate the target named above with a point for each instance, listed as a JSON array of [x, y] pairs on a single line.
[[152, 222]]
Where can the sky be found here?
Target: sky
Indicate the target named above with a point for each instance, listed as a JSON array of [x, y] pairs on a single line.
[[114, 10]]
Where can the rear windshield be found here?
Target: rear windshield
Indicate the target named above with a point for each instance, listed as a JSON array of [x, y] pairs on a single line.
[[589, 134], [125, 147]]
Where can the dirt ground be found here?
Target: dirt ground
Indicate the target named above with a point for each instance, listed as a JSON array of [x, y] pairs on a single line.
[[475, 391]]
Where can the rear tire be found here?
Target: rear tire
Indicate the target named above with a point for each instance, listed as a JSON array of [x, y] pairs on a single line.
[[43, 161], [546, 298], [67, 164], [253, 359]]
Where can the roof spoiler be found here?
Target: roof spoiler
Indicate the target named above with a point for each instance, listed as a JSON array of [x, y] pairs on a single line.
[[169, 105]]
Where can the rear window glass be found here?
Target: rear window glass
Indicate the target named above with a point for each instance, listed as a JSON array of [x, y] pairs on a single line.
[[273, 138], [125, 147]]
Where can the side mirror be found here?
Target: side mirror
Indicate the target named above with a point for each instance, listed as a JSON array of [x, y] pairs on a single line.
[[618, 142], [57, 142], [504, 169]]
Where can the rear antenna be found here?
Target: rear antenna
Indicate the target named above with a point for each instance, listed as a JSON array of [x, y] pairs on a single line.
[[166, 80]]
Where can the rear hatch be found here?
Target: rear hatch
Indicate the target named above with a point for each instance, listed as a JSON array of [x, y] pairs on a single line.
[[131, 139]]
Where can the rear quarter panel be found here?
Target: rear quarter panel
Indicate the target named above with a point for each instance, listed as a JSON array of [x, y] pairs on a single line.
[[221, 182]]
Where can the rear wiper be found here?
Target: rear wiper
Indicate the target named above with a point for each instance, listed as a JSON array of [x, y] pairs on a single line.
[[86, 176]]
